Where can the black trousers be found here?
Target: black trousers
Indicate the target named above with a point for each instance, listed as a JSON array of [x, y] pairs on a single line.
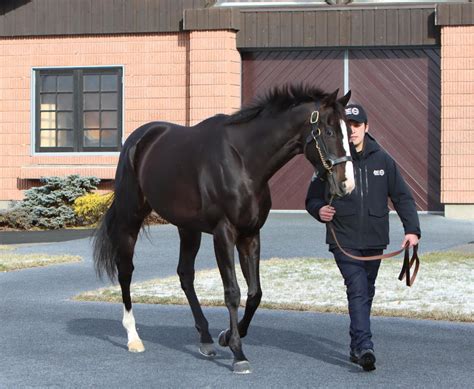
[[359, 278]]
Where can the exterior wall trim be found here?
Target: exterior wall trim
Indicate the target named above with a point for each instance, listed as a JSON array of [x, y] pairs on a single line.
[[351, 26], [84, 17], [460, 14], [211, 19], [367, 27]]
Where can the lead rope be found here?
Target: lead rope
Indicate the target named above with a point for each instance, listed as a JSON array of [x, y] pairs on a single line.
[[407, 262]]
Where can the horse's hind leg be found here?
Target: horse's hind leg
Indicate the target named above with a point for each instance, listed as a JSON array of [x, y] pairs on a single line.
[[249, 256], [189, 247], [128, 233]]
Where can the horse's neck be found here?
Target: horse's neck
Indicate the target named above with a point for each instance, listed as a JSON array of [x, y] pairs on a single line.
[[271, 144]]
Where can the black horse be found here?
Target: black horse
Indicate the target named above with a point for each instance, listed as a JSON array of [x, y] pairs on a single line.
[[213, 177]]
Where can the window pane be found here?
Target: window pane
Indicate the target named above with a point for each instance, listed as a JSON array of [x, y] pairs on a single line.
[[109, 138], [48, 83], [91, 120], [48, 102], [48, 119], [65, 138], [109, 119], [91, 138], [65, 102], [65, 120], [109, 100], [109, 82], [91, 83], [91, 101], [47, 138], [65, 83]]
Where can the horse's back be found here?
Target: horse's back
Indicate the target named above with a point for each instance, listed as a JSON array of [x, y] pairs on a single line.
[[151, 130]]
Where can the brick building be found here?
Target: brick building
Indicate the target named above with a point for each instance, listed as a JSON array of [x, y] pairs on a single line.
[[78, 76]]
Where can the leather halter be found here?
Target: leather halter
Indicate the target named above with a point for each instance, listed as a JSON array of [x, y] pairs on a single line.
[[328, 160]]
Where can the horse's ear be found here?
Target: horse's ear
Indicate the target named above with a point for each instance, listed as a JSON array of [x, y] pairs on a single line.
[[331, 99], [345, 99]]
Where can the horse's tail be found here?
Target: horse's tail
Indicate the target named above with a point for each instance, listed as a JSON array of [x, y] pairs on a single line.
[[105, 245], [122, 212]]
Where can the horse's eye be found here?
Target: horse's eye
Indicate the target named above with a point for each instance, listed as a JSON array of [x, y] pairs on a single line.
[[329, 132]]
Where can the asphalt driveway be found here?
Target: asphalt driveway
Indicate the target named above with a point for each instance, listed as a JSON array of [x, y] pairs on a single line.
[[48, 340]]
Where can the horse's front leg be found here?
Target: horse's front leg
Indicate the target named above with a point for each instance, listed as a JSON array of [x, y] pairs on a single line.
[[224, 242], [249, 256]]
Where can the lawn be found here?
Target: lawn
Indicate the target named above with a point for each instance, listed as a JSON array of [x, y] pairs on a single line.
[[9, 260], [443, 289]]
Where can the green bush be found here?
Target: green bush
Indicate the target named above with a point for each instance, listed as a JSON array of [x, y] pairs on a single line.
[[50, 206], [90, 208]]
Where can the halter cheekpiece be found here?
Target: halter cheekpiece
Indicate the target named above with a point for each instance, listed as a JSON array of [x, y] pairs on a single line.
[[327, 159]]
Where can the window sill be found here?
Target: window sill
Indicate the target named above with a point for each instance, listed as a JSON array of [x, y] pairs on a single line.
[[37, 171]]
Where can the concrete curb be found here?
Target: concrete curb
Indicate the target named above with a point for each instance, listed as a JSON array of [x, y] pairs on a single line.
[[19, 237]]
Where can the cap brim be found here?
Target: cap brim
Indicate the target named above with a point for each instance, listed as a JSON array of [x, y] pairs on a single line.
[[357, 120]]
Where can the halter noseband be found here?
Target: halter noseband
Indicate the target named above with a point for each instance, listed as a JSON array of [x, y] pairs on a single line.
[[326, 158]]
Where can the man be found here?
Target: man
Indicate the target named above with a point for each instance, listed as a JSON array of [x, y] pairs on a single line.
[[360, 221]]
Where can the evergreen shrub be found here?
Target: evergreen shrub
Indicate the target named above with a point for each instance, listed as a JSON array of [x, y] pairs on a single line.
[[50, 206]]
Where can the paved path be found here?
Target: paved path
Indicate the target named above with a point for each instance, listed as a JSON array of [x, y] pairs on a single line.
[[48, 340]]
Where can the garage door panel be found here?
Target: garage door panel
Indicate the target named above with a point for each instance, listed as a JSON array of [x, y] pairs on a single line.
[[400, 90]]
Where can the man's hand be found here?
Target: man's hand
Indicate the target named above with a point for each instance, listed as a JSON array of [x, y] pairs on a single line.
[[412, 239], [326, 213]]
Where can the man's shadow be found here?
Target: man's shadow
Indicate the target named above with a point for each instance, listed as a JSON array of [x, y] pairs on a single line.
[[185, 339]]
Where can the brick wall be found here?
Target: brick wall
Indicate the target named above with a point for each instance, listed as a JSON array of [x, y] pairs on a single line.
[[180, 77], [215, 74], [457, 115]]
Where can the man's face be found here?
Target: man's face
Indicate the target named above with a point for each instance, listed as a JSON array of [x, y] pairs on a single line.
[[358, 132]]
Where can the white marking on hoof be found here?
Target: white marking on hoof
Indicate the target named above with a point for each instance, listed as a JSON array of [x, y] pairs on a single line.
[[135, 345], [242, 367], [207, 350]]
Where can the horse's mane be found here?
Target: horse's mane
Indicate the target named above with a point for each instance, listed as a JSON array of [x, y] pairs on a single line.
[[277, 99]]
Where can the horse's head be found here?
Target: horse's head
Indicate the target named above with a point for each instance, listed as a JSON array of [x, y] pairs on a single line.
[[327, 145]]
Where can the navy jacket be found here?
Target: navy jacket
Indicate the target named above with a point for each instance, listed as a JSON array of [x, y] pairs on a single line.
[[361, 219]]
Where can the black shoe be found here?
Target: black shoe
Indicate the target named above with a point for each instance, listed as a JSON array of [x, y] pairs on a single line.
[[367, 359]]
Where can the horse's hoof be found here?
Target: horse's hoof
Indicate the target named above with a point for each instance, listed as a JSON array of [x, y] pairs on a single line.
[[242, 367], [208, 350], [223, 338], [136, 346]]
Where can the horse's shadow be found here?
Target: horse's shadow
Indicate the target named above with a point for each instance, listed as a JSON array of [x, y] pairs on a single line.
[[180, 338]]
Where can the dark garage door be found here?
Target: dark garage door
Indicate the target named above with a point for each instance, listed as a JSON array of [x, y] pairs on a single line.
[[263, 70], [399, 87]]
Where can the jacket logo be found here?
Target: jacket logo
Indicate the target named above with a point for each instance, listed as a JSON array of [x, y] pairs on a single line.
[[380, 172]]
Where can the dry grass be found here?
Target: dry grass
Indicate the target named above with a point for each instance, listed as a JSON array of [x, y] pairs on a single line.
[[10, 261], [442, 291]]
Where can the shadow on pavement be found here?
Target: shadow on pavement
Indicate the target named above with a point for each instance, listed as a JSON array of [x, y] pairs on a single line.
[[180, 339]]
